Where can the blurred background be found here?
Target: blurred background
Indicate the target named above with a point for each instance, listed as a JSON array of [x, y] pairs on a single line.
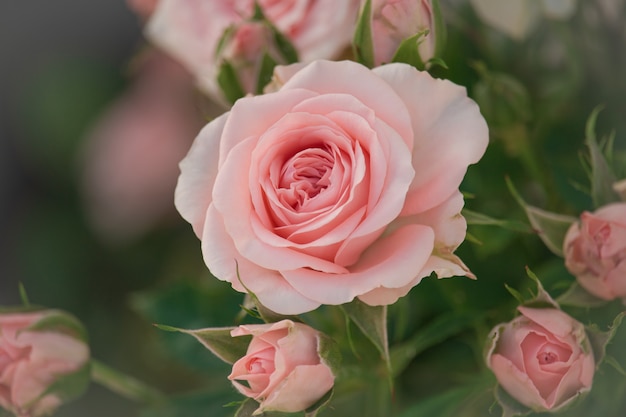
[[91, 134]]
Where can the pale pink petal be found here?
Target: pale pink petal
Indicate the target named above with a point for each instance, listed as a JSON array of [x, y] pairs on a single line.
[[390, 262], [223, 260], [198, 172], [301, 389], [516, 382], [554, 321], [449, 132]]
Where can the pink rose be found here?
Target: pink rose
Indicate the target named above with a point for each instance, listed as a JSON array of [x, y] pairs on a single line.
[[143, 8], [595, 251], [33, 358], [191, 30], [282, 368], [341, 184], [396, 20], [542, 358], [131, 154]]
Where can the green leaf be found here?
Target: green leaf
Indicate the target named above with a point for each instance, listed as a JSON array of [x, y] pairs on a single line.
[[408, 51], [602, 178], [205, 403], [330, 353], [453, 402], [229, 82], [435, 332], [550, 227], [362, 42], [218, 340], [124, 385]]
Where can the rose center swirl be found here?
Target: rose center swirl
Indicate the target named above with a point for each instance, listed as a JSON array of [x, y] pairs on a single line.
[[305, 175]]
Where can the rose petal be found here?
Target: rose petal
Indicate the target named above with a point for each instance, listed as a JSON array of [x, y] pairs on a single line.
[[446, 123]]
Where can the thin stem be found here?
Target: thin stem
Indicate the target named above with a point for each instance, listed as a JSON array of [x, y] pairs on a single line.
[[123, 384]]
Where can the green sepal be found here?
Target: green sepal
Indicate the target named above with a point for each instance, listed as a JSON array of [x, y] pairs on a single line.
[[362, 42], [218, 340], [286, 48], [475, 218], [439, 31], [577, 296], [600, 339], [372, 320], [229, 82], [266, 71], [247, 408], [550, 227], [328, 350], [23, 295], [510, 406], [58, 321], [69, 386], [313, 410], [600, 175], [408, 51], [541, 299]]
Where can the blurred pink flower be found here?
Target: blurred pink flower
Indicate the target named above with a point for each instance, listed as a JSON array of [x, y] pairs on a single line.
[[542, 358], [595, 251], [282, 368], [143, 8], [130, 160], [190, 31], [32, 360]]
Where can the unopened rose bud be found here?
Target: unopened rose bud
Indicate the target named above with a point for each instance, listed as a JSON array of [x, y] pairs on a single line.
[[283, 368], [595, 251], [393, 21], [245, 49], [44, 361]]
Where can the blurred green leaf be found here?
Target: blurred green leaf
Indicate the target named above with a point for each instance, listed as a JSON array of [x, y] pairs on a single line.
[[206, 403], [372, 320], [435, 332], [601, 175]]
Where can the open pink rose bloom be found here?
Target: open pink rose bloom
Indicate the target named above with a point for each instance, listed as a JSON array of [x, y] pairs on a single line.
[[341, 184], [595, 251], [31, 360], [542, 358], [282, 368]]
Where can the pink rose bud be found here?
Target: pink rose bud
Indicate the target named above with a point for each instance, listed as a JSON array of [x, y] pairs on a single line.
[[244, 48], [595, 251], [282, 368], [396, 20], [191, 30], [542, 358], [44, 361]]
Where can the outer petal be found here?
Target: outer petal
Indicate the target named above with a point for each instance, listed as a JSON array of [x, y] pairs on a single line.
[[390, 262], [223, 259], [517, 383], [198, 172], [554, 321], [301, 389], [450, 133]]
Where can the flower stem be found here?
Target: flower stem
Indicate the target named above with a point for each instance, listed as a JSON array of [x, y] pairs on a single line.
[[123, 384]]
